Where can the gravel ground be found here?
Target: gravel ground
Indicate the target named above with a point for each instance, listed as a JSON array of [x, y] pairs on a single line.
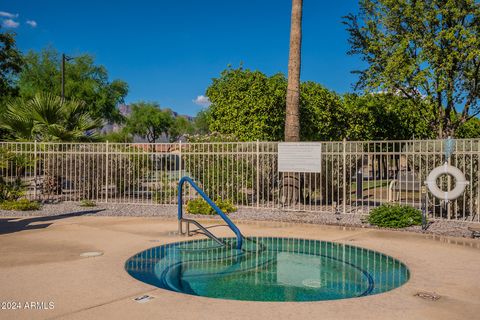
[[439, 227]]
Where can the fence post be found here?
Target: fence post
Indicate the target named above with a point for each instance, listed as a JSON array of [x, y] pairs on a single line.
[[179, 165], [448, 204], [344, 175], [258, 174], [35, 170], [360, 185], [106, 172]]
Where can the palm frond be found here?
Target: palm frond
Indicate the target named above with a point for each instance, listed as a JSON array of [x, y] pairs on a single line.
[[17, 120], [49, 118]]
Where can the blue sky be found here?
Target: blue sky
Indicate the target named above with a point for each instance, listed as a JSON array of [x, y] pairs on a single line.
[[168, 51]]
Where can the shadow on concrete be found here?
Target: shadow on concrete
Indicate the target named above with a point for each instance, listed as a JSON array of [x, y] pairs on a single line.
[[11, 225]]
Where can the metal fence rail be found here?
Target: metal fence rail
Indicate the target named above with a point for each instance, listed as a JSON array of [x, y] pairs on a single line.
[[354, 177]]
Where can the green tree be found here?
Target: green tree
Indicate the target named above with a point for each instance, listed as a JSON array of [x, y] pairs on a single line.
[[425, 50], [469, 129], [121, 136], [248, 104], [201, 122], [385, 116], [10, 64], [84, 80], [251, 105], [46, 117], [323, 116], [180, 127], [149, 121]]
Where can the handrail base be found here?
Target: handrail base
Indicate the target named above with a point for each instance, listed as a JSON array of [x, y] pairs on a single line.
[[200, 227]]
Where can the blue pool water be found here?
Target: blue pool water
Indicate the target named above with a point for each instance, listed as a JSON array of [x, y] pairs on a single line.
[[268, 269]]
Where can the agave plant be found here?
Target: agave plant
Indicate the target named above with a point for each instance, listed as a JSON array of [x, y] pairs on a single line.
[[47, 117]]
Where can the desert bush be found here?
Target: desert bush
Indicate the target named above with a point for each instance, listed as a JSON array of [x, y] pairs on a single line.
[[223, 170], [11, 190], [12, 169], [326, 186], [87, 171], [200, 206], [19, 205], [87, 203], [395, 216], [165, 194], [130, 166]]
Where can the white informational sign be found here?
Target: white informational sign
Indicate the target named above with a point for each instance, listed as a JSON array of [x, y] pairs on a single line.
[[299, 156]]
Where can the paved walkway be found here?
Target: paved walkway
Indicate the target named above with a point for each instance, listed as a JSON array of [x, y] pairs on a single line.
[[40, 262]]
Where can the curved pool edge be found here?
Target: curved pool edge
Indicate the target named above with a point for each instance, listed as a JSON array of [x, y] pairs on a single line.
[[372, 288]]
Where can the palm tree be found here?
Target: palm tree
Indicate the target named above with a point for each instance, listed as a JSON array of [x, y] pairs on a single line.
[[291, 183], [46, 117], [292, 121]]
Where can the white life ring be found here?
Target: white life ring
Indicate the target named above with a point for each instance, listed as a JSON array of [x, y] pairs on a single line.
[[460, 182]]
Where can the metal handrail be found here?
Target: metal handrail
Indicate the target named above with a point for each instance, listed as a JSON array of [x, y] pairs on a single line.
[[229, 222], [203, 229]]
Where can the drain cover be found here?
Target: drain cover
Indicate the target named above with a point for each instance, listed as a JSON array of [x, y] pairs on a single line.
[[427, 295], [312, 283], [91, 254], [143, 299]]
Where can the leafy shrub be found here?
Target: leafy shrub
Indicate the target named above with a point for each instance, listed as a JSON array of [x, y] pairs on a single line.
[[166, 192], [215, 165], [11, 190], [395, 216], [200, 206], [19, 205], [87, 203]]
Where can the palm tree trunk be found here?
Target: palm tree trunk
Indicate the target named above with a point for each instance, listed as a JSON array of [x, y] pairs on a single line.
[[292, 120], [291, 181]]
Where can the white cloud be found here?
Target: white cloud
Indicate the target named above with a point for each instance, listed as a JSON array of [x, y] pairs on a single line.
[[202, 101], [32, 23], [8, 14], [9, 23]]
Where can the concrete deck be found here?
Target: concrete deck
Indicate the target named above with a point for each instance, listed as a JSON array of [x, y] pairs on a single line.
[[40, 262]]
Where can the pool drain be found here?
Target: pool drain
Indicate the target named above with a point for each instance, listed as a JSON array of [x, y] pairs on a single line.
[[427, 295], [312, 283], [91, 254]]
